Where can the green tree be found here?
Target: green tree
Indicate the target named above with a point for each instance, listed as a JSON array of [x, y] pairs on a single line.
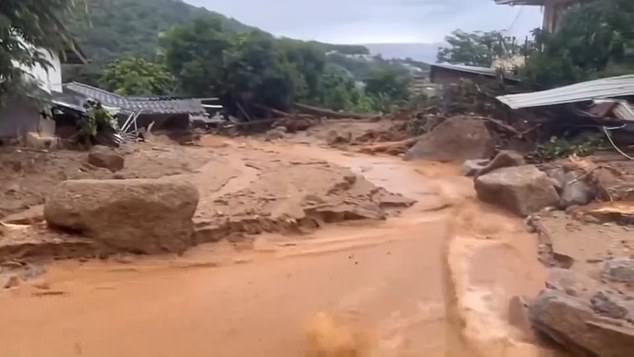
[[27, 28], [390, 84], [249, 67], [472, 48], [594, 39], [136, 76], [195, 53]]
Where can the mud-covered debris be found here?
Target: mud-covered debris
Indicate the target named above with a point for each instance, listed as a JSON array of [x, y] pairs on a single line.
[[522, 189], [8, 281], [140, 216], [33, 215], [276, 133], [335, 138], [107, 158]]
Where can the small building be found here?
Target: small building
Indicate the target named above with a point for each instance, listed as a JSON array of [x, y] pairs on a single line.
[[552, 9], [164, 112], [23, 115]]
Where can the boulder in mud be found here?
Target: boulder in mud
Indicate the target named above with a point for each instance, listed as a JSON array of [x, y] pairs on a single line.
[[140, 216], [505, 158], [105, 157], [572, 323], [521, 189], [575, 191], [458, 138], [620, 270]]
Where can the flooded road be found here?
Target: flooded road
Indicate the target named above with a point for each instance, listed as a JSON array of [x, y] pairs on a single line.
[[354, 289]]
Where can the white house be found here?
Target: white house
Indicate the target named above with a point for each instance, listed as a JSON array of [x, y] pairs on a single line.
[[22, 116]]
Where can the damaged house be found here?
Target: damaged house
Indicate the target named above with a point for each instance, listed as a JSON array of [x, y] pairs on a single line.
[[24, 115], [166, 113]]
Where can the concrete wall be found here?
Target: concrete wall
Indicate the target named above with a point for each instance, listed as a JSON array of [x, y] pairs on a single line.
[[19, 117]]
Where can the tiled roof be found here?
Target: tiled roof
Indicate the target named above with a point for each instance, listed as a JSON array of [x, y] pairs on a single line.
[[149, 105]]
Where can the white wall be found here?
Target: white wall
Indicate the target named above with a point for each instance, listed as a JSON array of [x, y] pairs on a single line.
[[49, 79]]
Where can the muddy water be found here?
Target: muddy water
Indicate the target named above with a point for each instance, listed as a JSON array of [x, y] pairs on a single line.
[[378, 289]]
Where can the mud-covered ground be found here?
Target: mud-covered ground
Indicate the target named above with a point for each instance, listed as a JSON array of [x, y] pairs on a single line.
[[323, 257]]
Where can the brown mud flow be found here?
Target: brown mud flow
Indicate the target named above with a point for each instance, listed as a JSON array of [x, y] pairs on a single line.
[[350, 289]]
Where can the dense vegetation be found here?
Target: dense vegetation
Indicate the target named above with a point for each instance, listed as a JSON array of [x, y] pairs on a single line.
[[141, 47], [471, 48], [118, 28], [256, 68], [34, 22], [594, 39], [137, 76]]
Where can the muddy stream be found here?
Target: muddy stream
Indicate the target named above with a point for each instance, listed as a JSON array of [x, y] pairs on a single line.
[[354, 289]]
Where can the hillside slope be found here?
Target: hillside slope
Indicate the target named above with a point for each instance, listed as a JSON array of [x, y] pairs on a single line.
[[113, 28]]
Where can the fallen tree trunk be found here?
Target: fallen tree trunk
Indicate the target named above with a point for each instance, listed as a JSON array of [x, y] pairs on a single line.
[[309, 109]]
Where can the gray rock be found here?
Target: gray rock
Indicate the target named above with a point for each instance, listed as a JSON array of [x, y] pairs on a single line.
[[505, 158], [558, 176], [576, 192], [471, 168], [569, 282], [458, 138], [139, 216], [521, 189], [620, 270], [606, 302], [105, 157], [572, 323]]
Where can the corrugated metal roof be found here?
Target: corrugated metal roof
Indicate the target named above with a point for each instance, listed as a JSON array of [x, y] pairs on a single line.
[[483, 71], [131, 104], [612, 87]]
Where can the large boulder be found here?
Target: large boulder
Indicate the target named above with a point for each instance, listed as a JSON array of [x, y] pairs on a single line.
[[141, 216], [574, 324], [105, 157], [458, 138], [521, 189]]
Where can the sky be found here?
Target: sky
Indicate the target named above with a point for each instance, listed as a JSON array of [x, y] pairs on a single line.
[[376, 21]]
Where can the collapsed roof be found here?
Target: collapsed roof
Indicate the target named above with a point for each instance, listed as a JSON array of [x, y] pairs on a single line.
[[612, 87], [148, 105]]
